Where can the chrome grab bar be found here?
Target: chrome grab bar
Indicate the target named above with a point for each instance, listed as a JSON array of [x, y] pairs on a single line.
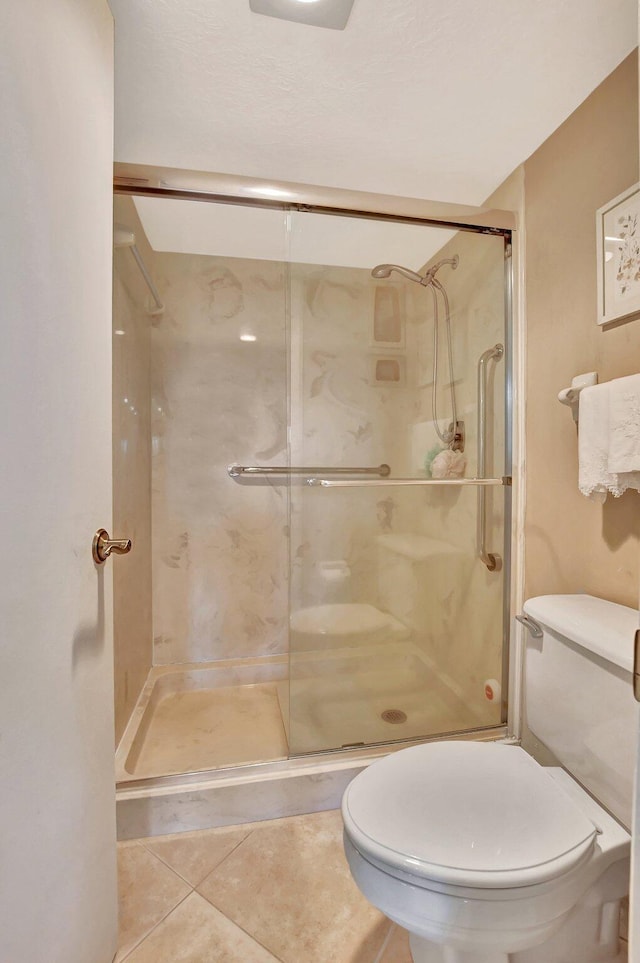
[[242, 471], [490, 559], [421, 482]]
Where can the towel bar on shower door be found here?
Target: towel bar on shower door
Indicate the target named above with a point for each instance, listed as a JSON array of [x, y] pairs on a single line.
[[505, 481]]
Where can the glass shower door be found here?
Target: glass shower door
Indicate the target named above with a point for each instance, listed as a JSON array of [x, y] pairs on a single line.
[[396, 621]]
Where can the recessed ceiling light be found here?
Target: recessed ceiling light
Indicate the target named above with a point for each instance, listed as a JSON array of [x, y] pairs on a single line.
[[248, 337], [316, 13]]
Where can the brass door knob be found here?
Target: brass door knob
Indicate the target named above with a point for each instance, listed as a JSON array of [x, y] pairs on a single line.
[[103, 546]]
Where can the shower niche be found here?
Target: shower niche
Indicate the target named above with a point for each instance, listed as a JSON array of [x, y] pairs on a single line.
[[304, 578]]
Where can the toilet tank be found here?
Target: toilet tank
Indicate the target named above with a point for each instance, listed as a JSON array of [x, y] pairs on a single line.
[[579, 692]]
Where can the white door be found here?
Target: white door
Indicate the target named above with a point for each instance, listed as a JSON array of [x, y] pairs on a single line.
[[57, 820], [634, 900]]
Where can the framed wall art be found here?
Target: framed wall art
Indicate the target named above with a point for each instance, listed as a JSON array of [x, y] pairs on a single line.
[[618, 249]]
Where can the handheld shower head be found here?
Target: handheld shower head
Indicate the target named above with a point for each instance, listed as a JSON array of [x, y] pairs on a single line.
[[384, 271]]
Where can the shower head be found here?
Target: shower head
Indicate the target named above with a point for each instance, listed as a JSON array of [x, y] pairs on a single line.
[[384, 271], [123, 236]]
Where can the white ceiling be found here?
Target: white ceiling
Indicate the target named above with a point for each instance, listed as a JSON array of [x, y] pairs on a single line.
[[439, 99]]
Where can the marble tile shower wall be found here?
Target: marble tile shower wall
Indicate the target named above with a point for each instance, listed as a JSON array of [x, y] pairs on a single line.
[[220, 550], [342, 415]]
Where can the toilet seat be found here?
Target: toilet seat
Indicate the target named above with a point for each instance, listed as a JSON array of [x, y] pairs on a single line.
[[481, 815]]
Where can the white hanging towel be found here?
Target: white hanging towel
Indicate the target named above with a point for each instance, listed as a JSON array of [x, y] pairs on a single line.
[[593, 442], [609, 438], [624, 433]]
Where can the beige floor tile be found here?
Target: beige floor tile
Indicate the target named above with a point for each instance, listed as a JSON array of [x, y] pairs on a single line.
[[196, 932], [148, 890], [195, 855], [397, 949], [288, 885], [200, 729]]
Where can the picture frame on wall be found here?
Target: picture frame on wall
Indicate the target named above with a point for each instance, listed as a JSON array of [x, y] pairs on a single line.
[[618, 257]]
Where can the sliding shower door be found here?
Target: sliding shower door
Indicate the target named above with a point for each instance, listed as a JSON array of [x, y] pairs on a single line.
[[314, 428], [397, 553]]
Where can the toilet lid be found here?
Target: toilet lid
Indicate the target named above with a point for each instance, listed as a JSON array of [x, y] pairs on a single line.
[[349, 618], [475, 814]]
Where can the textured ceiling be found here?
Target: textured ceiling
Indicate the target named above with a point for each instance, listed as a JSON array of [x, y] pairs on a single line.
[[416, 97]]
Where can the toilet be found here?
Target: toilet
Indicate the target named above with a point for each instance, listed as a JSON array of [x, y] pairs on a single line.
[[484, 855]]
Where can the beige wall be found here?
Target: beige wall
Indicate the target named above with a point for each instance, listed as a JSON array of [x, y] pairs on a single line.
[[573, 545], [131, 469]]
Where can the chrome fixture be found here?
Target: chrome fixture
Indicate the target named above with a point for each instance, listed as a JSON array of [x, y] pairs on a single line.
[[453, 438], [242, 471], [636, 665], [490, 559], [504, 482], [531, 625], [317, 13], [103, 546], [123, 237], [385, 271]]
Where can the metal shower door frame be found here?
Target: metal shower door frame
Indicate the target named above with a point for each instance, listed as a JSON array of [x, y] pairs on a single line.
[[151, 181]]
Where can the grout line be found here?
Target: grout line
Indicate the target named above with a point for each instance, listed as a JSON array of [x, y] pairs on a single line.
[[154, 927], [251, 936], [165, 863], [207, 875], [225, 858]]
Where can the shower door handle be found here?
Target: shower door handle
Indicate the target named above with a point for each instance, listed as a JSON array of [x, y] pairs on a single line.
[[103, 546]]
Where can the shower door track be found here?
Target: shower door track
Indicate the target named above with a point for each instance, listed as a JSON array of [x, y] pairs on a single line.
[[148, 181]]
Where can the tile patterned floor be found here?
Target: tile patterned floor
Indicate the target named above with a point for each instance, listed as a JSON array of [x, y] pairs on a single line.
[[270, 892]]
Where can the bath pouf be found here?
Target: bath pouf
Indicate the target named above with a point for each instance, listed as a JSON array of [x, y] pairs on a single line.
[[430, 456], [449, 464]]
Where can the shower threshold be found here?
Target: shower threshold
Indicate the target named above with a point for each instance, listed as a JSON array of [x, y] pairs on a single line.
[[251, 793], [207, 744]]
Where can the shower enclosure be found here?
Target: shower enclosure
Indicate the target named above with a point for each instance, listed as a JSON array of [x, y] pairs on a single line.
[[312, 457]]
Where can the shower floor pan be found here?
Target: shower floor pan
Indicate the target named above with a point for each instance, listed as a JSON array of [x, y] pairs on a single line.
[[206, 744], [379, 694], [206, 716], [198, 718]]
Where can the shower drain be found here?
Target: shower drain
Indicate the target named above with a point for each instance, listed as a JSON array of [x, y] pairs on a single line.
[[395, 716]]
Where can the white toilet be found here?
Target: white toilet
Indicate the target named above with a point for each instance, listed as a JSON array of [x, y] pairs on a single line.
[[485, 856]]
